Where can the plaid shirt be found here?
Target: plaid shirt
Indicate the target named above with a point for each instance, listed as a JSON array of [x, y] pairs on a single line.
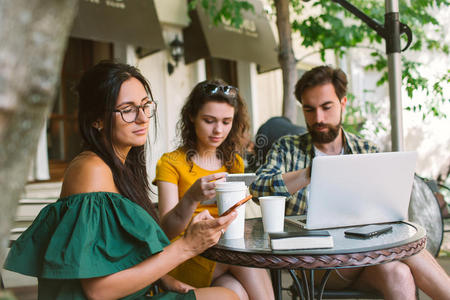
[[291, 153]]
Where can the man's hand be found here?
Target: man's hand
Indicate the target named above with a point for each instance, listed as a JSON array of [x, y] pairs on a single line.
[[297, 180]]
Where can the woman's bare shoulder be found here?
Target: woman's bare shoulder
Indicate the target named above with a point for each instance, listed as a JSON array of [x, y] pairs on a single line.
[[87, 173]]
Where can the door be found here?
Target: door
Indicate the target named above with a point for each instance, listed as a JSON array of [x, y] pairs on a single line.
[[63, 137]]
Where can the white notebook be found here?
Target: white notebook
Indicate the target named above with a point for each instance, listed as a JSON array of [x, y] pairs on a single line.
[[303, 239]]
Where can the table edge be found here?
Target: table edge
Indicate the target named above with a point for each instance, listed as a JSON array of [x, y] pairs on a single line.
[[288, 260]]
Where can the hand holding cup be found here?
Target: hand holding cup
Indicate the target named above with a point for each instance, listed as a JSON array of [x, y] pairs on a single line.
[[204, 188]]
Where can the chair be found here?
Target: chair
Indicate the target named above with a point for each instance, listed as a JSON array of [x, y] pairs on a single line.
[[435, 188], [424, 210], [268, 133]]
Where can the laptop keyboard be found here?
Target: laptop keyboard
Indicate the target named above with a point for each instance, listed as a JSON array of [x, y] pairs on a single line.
[[297, 220]]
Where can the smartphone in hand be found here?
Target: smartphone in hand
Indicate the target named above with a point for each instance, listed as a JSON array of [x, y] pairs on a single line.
[[236, 205]]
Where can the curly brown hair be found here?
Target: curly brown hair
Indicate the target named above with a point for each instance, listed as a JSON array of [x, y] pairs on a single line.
[[214, 90]]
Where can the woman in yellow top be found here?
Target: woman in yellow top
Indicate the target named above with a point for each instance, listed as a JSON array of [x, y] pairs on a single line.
[[213, 126]]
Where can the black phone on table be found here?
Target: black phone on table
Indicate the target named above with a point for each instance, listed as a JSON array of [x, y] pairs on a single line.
[[368, 230]]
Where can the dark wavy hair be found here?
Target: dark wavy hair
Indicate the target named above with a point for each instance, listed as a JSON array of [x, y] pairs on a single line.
[[98, 90], [234, 143], [319, 76]]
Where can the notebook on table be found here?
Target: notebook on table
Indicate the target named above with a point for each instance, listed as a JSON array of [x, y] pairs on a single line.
[[303, 239], [359, 189]]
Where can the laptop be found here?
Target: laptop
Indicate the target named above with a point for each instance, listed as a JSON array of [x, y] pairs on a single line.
[[359, 189]]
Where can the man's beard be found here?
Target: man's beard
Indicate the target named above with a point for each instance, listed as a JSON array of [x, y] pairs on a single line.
[[324, 137]]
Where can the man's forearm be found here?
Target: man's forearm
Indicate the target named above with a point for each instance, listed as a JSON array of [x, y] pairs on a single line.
[[296, 180]]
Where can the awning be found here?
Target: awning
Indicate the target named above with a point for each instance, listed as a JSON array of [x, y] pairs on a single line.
[[252, 42], [132, 22]]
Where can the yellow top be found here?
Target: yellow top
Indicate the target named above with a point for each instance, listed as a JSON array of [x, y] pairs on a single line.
[[173, 167]]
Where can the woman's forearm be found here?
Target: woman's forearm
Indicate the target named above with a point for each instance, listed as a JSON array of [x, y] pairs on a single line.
[[177, 219], [203, 233], [131, 280]]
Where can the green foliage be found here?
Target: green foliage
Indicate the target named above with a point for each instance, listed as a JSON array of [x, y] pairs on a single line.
[[354, 119], [335, 29], [356, 116], [226, 10]]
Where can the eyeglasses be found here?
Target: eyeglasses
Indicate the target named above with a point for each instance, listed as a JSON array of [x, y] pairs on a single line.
[[131, 112], [227, 90]]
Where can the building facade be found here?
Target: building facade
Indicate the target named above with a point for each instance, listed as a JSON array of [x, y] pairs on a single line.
[[245, 57]]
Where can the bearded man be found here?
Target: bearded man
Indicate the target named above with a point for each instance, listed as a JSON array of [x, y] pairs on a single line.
[[286, 172], [322, 93]]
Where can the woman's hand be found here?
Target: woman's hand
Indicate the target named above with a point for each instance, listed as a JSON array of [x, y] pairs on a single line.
[[168, 283], [204, 188], [205, 231]]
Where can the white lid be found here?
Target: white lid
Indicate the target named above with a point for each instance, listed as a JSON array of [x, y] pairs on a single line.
[[272, 198], [230, 186]]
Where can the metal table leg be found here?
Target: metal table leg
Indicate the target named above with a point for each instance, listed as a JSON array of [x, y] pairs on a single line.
[[311, 284], [307, 284], [297, 284], [323, 282], [276, 283]]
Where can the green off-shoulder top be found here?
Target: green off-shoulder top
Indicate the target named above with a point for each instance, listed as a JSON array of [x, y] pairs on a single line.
[[84, 236]]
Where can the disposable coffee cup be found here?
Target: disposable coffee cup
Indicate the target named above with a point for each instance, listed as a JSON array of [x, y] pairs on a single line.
[[272, 210], [227, 194], [234, 243]]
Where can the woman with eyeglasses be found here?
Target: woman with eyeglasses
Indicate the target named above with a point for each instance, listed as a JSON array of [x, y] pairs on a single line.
[[213, 128], [102, 239]]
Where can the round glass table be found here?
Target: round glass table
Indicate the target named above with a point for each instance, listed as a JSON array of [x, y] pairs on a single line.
[[405, 239]]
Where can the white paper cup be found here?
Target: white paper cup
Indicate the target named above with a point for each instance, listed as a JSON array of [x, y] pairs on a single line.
[[227, 194], [234, 243], [272, 210]]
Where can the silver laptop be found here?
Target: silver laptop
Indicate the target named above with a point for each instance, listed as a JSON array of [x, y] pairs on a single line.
[[359, 189]]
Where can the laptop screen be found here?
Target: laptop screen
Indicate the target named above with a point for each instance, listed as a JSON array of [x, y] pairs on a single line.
[[359, 189]]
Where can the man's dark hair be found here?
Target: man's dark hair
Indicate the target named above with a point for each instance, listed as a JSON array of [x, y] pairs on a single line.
[[320, 76]]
